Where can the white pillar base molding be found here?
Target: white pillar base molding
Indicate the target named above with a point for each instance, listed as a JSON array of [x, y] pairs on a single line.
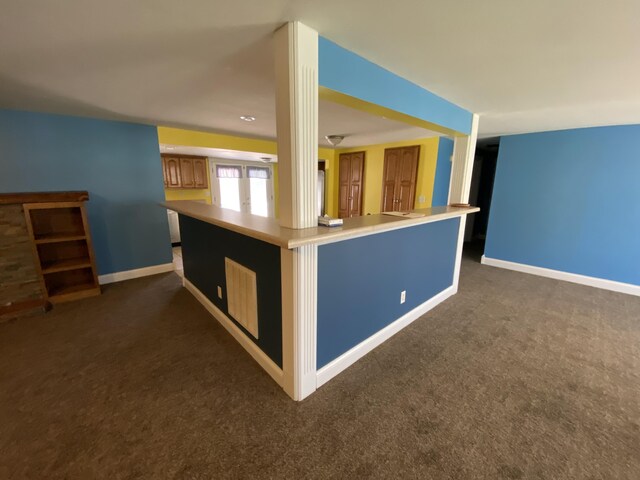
[[459, 248], [299, 319]]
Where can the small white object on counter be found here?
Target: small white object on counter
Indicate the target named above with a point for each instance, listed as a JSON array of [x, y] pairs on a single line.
[[327, 221]]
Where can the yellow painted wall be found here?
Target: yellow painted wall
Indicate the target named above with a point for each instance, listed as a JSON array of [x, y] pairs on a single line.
[[193, 138], [187, 194], [373, 169]]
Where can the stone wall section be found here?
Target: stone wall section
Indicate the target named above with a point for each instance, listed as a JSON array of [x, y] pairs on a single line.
[[18, 276]]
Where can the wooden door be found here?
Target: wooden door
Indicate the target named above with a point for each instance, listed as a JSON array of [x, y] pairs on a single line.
[[172, 169], [200, 173], [351, 179], [186, 173], [389, 175], [399, 178]]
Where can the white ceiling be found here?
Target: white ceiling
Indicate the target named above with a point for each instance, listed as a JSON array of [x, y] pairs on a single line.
[[360, 128], [524, 66]]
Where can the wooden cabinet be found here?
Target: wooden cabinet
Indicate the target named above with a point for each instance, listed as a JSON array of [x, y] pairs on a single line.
[[186, 173], [200, 173], [171, 169], [183, 171], [164, 173]]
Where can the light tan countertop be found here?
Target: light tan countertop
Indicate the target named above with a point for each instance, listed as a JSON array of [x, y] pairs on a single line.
[[269, 230]]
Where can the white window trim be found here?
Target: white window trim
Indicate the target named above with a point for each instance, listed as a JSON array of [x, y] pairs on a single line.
[[215, 186]]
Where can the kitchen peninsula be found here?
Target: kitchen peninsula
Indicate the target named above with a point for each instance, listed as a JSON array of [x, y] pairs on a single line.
[[375, 275]]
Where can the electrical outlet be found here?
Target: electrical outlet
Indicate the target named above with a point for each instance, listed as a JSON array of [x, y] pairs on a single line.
[[403, 296], [421, 199], [219, 291]]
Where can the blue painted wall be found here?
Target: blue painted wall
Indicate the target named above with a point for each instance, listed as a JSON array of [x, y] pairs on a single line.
[[344, 71], [204, 248], [360, 280], [569, 201], [118, 163], [443, 173]]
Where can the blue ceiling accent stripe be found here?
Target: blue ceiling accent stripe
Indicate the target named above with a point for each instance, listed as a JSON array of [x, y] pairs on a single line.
[[344, 71]]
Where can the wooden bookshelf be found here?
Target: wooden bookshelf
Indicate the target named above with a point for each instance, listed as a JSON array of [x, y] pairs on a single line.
[[62, 249], [65, 264], [58, 237]]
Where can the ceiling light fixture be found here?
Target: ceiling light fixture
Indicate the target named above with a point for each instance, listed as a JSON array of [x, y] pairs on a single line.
[[334, 140], [248, 118]]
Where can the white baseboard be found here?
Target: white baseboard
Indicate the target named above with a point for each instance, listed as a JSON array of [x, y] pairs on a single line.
[[136, 273], [348, 358], [568, 277], [258, 355]]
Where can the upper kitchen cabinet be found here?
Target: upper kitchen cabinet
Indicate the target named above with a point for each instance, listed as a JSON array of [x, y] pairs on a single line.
[[171, 170], [183, 171], [200, 173], [186, 173]]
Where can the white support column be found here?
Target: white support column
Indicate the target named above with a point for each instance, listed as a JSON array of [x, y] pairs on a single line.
[[297, 126], [297, 123], [464, 152]]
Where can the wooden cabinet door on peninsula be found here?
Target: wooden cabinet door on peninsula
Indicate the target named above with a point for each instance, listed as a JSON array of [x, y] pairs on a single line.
[[184, 171]]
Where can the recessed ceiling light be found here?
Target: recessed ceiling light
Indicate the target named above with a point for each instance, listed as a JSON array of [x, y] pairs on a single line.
[[248, 118]]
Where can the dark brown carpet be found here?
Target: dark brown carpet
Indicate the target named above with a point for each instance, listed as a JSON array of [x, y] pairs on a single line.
[[515, 377]]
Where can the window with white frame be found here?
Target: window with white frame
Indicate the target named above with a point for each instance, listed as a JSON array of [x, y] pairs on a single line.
[[243, 187]]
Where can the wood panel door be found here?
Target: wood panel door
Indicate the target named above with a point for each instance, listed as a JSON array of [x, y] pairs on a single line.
[[186, 173], [172, 171], [351, 180], [200, 173], [399, 178]]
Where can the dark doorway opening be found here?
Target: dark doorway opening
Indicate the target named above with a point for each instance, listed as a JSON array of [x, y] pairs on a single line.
[[484, 171]]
